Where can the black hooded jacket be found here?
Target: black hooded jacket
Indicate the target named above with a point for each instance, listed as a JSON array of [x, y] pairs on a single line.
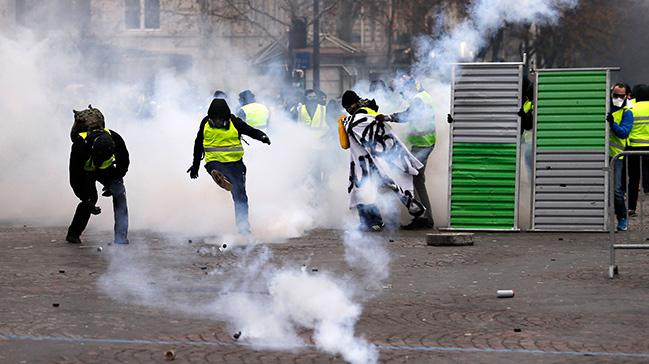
[[81, 180], [219, 110]]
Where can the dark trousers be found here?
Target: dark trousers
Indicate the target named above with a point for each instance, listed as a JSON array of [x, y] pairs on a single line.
[[369, 215], [419, 181], [120, 209], [634, 176], [235, 172]]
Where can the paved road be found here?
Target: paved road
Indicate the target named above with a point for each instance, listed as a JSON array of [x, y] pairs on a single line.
[[438, 305]]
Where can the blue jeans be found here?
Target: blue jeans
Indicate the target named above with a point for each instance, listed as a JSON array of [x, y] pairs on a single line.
[[619, 204], [235, 172], [120, 209], [419, 181]]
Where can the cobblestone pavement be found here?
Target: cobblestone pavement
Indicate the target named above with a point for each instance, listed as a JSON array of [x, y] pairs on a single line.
[[438, 305]]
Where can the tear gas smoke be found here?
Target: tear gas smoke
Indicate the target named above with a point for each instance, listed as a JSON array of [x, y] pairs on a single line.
[[268, 302]]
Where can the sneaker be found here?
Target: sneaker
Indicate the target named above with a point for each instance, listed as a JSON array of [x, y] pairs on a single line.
[[72, 239], [221, 180], [377, 227], [622, 224], [418, 224], [632, 213]]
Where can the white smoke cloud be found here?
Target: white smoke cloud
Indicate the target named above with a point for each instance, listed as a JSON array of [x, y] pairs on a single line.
[[271, 304]]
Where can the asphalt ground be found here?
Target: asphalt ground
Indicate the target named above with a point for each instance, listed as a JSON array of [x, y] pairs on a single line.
[[438, 305]]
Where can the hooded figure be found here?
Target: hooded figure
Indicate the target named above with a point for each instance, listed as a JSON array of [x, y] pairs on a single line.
[[219, 141], [379, 162], [98, 155]]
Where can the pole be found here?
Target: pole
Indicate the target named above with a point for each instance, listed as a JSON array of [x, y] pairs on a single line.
[[316, 45]]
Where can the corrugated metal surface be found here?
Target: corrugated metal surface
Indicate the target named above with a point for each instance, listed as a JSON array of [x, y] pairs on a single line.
[[485, 138], [570, 180]]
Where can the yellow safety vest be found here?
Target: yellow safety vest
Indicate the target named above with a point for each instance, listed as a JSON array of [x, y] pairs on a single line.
[[222, 145], [369, 111], [616, 144], [90, 165], [426, 139], [318, 119], [256, 114], [639, 136]]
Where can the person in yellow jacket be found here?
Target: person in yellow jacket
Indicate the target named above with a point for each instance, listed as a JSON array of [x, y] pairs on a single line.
[[252, 112], [219, 142], [420, 117], [638, 140]]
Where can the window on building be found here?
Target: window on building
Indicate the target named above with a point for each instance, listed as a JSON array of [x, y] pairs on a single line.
[[142, 14]]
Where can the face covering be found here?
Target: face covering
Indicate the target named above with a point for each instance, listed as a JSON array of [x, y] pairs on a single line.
[[618, 102], [221, 124]]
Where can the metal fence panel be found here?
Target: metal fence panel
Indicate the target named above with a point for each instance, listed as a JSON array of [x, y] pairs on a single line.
[[571, 151], [483, 178]]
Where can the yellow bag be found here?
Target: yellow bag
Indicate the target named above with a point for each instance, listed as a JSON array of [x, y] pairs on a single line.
[[342, 133]]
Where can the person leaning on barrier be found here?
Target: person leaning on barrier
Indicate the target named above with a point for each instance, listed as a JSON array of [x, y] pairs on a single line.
[[620, 121], [638, 140]]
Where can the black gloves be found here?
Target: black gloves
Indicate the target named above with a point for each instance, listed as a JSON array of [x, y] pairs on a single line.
[[265, 139], [383, 118], [609, 118], [449, 118], [193, 171]]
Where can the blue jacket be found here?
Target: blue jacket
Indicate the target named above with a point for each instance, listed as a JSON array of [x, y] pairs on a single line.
[[624, 128]]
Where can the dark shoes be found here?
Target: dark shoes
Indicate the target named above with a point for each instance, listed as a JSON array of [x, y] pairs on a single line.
[[221, 180], [72, 239], [632, 213], [419, 224]]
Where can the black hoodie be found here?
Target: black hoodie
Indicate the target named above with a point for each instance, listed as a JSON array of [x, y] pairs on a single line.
[[219, 110]]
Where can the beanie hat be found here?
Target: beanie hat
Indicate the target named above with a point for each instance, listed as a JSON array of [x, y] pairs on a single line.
[[349, 98]]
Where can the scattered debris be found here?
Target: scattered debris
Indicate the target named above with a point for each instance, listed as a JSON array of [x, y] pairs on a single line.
[[203, 267], [53, 241], [560, 239], [223, 247], [505, 293], [170, 355], [552, 259], [99, 249], [237, 335], [61, 271], [23, 247], [189, 241], [55, 305], [449, 239], [314, 269], [517, 330], [391, 240]]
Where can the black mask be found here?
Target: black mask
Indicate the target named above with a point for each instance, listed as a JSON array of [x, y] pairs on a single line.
[[219, 123]]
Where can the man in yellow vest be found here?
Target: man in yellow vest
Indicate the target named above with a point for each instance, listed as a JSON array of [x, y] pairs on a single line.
[[252, 112], [219, 142], [422, 137], [638, 140], [620, 120], [311, 112], [98, 154]]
